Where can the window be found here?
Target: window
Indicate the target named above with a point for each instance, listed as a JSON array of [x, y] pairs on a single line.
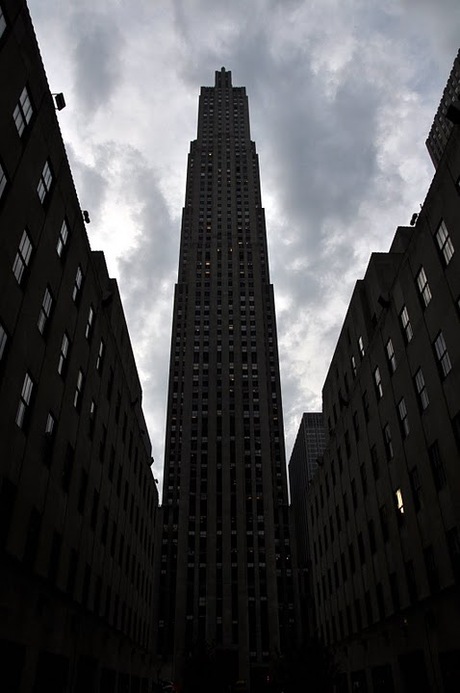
[[23, 112], [24, 401], [2, 23], [378, 383], [77, 285], [89, 323], [423, 287], [353, 366], [442, 355], [399, 504], [437, 466], [3, 341], [421, 390], [100, 356], [361, 347], [403, 418], [45, 311], [444, 242], [63, 354], [3, 181], [44, 184], [416, 487], [405, 322], [22, 259], [391, 355], [62, 238], [50, 425], [78, 390], [388, 442]]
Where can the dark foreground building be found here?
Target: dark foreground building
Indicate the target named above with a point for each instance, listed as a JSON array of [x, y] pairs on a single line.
[[77, 497], [442, 124], [226, 576], [384, 508]]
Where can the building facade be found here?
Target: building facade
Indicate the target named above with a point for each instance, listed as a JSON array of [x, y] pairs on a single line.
[[306, 455], [77, 497], [384, 508], [442, 125], [226, 575]]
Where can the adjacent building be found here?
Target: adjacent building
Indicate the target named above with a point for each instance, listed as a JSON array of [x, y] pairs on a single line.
[[306, 455], [442, 125], [226, 575], [77, 497], [384, 508]]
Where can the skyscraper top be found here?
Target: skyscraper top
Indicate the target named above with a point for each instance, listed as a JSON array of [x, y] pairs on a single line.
[[223, 78]]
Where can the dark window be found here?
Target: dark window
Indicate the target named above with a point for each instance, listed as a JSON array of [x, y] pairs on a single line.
[[444, 242], [63, 354], [2, 26], [3, 341], [45, 311], [391, 356], [423, 287], [78, 391], [76, 291], [437, 466], [406, 325], [388, 442], [378, 383], [442, 355], [62, 238], [89, 323], [422, 392], [403, 418]]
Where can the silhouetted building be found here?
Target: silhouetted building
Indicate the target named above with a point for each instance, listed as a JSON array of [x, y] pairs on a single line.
[[306, 455], [77, 497], [226, 574], [384, 509], [443, 120]]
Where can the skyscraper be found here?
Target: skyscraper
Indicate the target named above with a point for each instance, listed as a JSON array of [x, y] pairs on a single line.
[[225, 566], [443, 122]]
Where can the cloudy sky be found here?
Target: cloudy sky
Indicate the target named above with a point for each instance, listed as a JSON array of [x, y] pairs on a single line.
[[342, 94]]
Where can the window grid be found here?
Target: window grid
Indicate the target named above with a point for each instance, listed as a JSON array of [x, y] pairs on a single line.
[[378, 383], [78, 390], [44, 184], [403, 418], [23, 112], [23, 256], [77, 284], [422, 392], [442, 354], [3, 341], [62, 238], [24, 400], [391, 355], [89, 323], [2, 181], [445, 244], [405, 322], [423, 287], [45, 310], [65, 345]]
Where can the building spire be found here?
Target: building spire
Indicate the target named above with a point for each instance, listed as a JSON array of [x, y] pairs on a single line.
[[223, 78]]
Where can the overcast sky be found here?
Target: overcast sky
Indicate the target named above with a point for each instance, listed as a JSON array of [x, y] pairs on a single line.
[[342, 94]]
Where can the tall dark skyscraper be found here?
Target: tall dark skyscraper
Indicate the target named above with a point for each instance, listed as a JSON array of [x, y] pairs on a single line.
[[226, 576]]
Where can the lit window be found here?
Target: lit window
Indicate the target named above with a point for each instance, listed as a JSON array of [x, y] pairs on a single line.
[[423, 286], [2, 22], [24, 401], [3, 341], [62, 239], [421, 389], [2, 181], [44, 184], [444, 242], [100, 356], [23, 112], [391, 355], [378, 383], [23, 256], [388, 442], [45, 311], [399, 501], [405, 322], [63, 354], [77, 284], [78, 390], [89, 323], [361, 346], [403, 418], [442, 354]]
